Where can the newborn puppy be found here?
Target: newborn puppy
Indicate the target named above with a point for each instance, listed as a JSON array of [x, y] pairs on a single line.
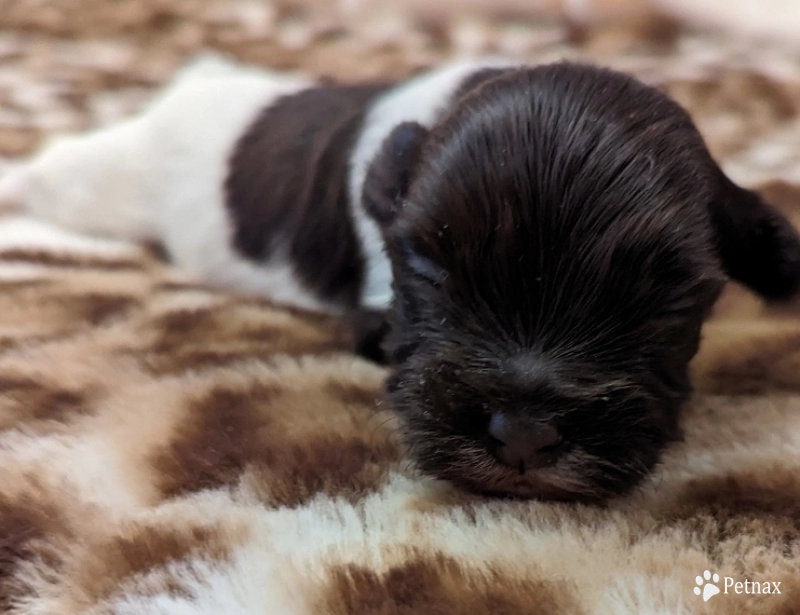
[[546, 242]]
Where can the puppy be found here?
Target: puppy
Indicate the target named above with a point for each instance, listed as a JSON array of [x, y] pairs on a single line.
[[534, 249]]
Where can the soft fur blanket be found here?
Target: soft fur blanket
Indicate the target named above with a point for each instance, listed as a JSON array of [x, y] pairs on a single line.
[[167, 448]]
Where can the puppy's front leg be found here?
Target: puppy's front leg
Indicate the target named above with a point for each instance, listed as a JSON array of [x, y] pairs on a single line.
[[369, 329]]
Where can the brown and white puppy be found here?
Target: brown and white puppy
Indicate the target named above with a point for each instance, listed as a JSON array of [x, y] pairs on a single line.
[[546, 242]]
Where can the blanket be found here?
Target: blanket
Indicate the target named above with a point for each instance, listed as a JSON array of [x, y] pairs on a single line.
[[169, 448]]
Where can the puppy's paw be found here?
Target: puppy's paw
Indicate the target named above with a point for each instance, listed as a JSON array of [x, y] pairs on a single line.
[[369, 329]]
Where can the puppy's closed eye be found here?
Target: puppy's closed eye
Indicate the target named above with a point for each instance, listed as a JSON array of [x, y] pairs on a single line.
[[422, 266]]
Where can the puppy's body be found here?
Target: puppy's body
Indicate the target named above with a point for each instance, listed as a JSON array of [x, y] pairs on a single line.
[[546, 241], [251, 180]]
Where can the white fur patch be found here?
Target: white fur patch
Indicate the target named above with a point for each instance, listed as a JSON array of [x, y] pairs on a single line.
[[161, 176]]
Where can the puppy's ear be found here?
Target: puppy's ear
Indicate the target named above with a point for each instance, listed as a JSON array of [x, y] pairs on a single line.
[[390, 173], [758, 246]]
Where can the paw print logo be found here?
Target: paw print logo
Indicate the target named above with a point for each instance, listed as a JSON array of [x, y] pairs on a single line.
[[706, 582]]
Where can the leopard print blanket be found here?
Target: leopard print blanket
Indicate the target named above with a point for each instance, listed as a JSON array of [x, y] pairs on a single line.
[[167, 448]]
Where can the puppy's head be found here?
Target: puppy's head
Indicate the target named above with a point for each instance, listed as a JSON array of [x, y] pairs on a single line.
[[554, 257]]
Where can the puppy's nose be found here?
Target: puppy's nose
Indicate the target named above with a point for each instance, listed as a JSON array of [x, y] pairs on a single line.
[[523, 444]]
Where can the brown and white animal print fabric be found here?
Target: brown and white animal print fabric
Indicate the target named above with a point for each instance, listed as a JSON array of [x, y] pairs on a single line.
[[167, 448]]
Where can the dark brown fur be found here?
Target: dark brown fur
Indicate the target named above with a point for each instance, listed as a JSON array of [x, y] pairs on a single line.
[[557, 242], [303, 142]]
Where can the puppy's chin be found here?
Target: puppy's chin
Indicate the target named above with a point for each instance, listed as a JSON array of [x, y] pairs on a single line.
[[555, 483], [604, 449], [576, 476]]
